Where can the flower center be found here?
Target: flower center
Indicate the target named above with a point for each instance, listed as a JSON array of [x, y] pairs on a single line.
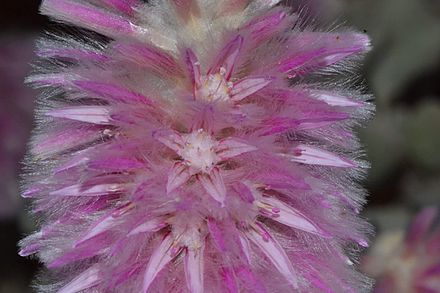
[[215, 87], [199, 151]]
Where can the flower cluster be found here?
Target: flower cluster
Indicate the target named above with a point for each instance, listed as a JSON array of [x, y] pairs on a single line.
[[196, 146], [407, 262]]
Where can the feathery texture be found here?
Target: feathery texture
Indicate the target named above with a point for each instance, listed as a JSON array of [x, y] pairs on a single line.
[[196, 146]]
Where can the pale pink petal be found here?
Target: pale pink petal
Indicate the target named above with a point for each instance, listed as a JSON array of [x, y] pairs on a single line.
[[248, 86], [113, 163], [275, 253], [314, 156], [148, 56], [313, 50], [96, 190], [335, 99], [214, 185], [88, 16], [178, 175], [194, 68], [245, 191], [217, 235], [263, 28], [105, 224], [232, 147], [245, 246], [90, 114], [112, 92], [227, 57], [158, 260], [32, 245], [170, 138], [289, 216], [153, 225], [75, 162], [194, 270], [87, 279], [54, 51], [53, 143]]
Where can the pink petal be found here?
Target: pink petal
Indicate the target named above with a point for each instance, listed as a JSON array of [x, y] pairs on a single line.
[[170, 138], [88, 16], [433, 244], [249, 280], [227, 57], [149, 57], [80, 55], [72, 163], [266, 26], [214, 185], [248, 86], [124, 6], [278, 125], [96, 190], [115, 164], [112, 92], [105, 223], [334, 99], [245, 192], [153, 225], [300, 60], [314, 156], [193, 65], [420, 226], [178, 175], [194, 270], [31, 192], [229, 280], [291, 217], [49, 79], [433, 271], [51, 143], [232, 147], [217, 235], [32, 244], [87, 279], [245, 246], [158, 260], [275, 253], [89, 114], [314, 49]]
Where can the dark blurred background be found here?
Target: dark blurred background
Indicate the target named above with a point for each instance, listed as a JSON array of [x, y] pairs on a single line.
[[402, 142]]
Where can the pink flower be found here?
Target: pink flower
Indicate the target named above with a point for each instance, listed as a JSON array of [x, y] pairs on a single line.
[[407, 263], [196, 148]]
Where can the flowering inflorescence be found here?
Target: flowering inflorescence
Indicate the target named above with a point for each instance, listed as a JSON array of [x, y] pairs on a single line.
[[194, 147], [407, 261]]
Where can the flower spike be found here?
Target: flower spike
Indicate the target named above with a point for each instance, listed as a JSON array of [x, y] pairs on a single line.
[[189, 145]]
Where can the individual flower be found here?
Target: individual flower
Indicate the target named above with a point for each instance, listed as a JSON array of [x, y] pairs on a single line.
[[196, 146], [407, 262]]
